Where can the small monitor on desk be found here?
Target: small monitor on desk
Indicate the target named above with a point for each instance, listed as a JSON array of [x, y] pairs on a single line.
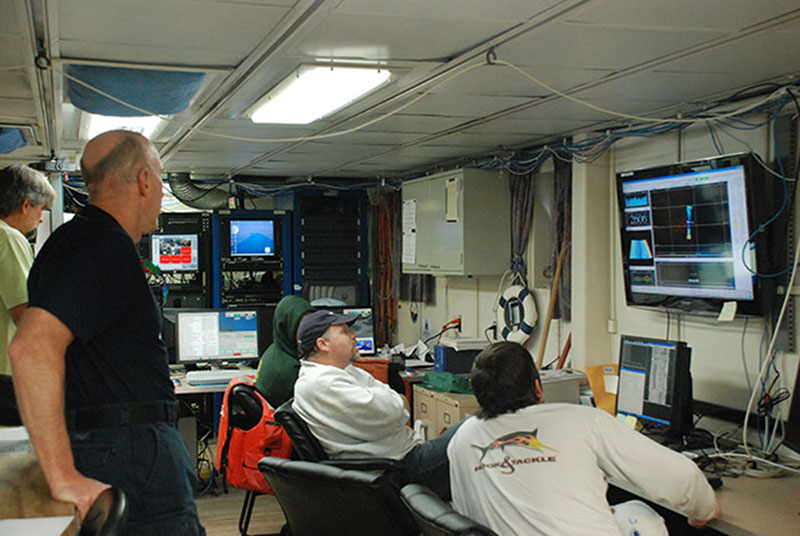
[[655, 383], [364, 330], [212, 336], [169, 327]]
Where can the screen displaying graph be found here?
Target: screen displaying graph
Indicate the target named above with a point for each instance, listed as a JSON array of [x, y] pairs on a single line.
[[692, 221], [684, 234]]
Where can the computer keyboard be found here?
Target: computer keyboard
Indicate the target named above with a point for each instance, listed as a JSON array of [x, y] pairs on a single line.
[[215, 377]]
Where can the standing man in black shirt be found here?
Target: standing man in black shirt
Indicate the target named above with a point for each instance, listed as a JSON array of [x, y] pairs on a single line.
[[90, 370]]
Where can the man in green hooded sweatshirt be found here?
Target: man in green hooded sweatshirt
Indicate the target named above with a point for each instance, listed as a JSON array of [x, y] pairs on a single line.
[[279, 366]]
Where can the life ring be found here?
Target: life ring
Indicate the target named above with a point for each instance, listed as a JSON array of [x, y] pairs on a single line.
[[516, 314]]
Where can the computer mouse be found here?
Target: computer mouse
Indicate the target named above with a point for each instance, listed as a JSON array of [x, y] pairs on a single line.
[[176, 381]]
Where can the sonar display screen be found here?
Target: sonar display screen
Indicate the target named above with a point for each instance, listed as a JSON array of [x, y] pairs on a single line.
[[683, 234]]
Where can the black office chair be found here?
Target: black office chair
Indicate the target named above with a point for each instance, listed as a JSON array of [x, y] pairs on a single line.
[[321, 499], [434, 517], [106, 516], [306, 447]]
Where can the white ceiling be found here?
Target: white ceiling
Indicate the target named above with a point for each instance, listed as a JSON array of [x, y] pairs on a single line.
[[626, 55]]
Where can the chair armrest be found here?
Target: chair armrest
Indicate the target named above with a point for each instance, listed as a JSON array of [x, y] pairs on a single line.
[[366, 464], [106, 516], [434, 516]]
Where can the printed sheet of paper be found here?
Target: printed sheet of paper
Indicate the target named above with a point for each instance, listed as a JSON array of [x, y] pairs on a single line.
[[409, 231], [36, 526]]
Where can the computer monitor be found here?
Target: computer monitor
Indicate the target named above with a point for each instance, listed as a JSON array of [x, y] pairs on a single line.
[[687, 235], [364, 330], [211, 336], [169, 328], [175, 252], [655, 383], [252, 238]]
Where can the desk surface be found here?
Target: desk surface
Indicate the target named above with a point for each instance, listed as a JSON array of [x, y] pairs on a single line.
[[24, 492], [753, 506]]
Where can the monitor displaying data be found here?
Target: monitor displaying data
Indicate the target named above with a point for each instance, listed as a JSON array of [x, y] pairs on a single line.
[[252, 238], [175, 252], [217, 335], [364, 330], [685, 235], [655, 381]]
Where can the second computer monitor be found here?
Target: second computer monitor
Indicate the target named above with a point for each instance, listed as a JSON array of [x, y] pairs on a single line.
[[216, 335], [364, 330], [655, 383]]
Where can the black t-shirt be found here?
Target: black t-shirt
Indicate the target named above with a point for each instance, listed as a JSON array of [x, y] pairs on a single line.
[[88, 274]]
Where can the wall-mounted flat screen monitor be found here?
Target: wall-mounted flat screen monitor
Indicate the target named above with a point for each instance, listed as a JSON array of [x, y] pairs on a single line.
[[175, 252], [364, 329], [655, 383], [252, 238], [216, 335], [687, 235]]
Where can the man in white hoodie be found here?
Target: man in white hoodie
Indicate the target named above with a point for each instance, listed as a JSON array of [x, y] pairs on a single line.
[[352, 414], [522, 467]]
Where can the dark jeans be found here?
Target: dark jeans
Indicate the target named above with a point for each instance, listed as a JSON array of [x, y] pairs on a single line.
[[149, 462], [9, 413], [427, 464]]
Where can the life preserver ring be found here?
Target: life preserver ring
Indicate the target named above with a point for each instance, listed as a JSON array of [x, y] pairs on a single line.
[[516, 314]]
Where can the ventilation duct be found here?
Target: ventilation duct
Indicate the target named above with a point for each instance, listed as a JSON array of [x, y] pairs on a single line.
[[191, 195], [158, 92]]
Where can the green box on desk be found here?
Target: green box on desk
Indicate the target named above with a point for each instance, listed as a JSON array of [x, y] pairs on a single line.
[[447, 359]]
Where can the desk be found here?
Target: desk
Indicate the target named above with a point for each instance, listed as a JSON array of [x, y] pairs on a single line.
[[187, 424], [184, 388], [24, 492], [750, 506]]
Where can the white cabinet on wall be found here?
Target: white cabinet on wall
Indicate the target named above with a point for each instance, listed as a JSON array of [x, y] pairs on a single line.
[[457, 223]]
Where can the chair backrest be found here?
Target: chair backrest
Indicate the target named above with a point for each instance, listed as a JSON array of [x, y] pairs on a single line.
[[322, 499], [106, 516], [434, 517], [244, 407], [305, 445]]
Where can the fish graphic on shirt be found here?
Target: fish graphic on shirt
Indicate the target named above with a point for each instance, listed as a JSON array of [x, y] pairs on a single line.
[[520, 439]]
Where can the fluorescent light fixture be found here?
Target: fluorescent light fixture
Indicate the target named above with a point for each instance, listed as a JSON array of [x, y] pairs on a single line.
[[314, 91], [144, 125]]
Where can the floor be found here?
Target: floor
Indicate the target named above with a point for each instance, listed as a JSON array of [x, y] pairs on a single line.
[[219, 511], [220, 514]]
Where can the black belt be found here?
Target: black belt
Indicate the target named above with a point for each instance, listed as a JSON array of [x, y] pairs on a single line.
[[122, 415]]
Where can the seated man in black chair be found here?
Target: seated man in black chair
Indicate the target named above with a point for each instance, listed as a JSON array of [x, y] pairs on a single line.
[[355, 416], [521, 467]]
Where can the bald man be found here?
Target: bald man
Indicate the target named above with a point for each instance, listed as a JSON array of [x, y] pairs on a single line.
[[89, 368]]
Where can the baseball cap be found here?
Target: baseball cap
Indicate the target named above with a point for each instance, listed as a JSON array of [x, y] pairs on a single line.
[[314, 325]]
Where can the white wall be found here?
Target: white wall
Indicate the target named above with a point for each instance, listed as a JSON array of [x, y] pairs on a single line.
[[600, 313], [474, 297]]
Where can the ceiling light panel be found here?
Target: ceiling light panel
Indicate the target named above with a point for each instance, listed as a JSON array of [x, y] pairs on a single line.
[[315, 91]]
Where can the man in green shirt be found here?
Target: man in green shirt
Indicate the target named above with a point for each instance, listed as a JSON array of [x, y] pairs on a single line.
[[24, 193], [279, 366]]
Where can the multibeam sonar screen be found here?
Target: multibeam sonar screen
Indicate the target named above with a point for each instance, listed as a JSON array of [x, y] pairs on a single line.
[[683, 235]]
